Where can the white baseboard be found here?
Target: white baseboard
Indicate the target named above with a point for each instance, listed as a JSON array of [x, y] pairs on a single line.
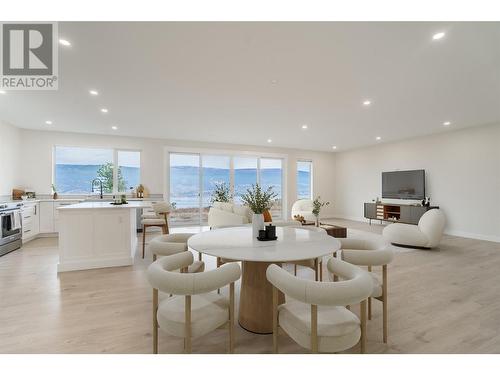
[[456, 233], [476, 236]]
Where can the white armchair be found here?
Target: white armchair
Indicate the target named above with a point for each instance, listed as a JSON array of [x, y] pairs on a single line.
[[192, 311], [303, 207], [315, 316], [427, 234]]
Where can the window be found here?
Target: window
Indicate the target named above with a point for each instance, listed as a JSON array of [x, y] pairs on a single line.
[[245, 175], [193, 176], [76, 167], [271, 175], [129, 170], [304, 180]]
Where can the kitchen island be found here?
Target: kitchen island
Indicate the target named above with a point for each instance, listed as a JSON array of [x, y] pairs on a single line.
[[97, 235]]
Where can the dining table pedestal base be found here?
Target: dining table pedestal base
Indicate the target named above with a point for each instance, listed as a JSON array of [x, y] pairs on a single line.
[[256, 298]]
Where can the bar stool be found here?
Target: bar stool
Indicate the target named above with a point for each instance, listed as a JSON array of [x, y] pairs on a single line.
[[161, 210]]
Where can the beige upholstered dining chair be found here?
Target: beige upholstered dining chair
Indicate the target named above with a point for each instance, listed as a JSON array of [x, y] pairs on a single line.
[[192, 311], [170, 244], [158, 219], [315, 316], [315, 264], [371, 253]]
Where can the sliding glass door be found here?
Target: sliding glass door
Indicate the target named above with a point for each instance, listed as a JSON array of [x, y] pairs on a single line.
[[271, 176], [245, 175], [185, 188], [193, 178]]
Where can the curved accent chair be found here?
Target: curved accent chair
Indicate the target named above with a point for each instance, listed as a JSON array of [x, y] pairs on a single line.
[[303, 207], [169, 244], [371, 253], [427, 234], [192, 311], [158, 219], [316, 264], [315, 316]]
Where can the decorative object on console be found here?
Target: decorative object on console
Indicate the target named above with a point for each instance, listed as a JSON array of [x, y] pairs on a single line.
[[259, 201], [317, 205]]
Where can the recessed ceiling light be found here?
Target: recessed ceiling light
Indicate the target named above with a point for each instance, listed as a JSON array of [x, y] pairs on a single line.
[[269, 140], [3, 92], [104, 110], [438, 36], [93, 92], [304, 126], [114, 127], [274, 81], [334, 147], [378, 138], [446, 123], [48, 122], [64, 42], [367, 102]]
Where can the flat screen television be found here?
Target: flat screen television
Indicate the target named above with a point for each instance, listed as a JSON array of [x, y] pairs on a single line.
[[403, 184]]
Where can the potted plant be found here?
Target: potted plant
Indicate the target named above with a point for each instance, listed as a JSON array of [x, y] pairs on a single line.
[[221, 193], [258, 201], [317, 205], [54, 190]]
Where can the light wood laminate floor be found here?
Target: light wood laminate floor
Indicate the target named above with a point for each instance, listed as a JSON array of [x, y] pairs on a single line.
[[442, 301]]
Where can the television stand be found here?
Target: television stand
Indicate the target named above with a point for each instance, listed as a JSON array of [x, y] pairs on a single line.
[[395, 213]]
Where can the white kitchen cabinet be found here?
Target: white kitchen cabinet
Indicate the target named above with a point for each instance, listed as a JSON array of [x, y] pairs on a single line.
[[47, 217], [58, 204], [31, 220]]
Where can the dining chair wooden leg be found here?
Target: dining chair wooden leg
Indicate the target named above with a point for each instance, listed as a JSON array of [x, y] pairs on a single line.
[[295, 270], [321, 271], [143, 240], [362, 344], [275, 320], [154, 257], [369, 308], [384, 302], [155, 321], [200, 257], [231, 318], [316, 270], [187, 324], [314, 328], [219, 263]]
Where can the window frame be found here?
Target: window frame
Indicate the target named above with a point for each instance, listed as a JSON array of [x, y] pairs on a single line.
[[232, 154], [115, 166]]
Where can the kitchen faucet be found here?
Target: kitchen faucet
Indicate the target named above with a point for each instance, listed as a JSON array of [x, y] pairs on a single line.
[[92, 184]]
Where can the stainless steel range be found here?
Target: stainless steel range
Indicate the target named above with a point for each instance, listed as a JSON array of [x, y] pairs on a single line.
[[11, 227]]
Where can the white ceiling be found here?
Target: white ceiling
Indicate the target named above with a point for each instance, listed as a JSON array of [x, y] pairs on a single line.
[[216, 82]]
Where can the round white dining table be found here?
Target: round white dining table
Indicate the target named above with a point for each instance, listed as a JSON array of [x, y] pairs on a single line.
[[238, 244]]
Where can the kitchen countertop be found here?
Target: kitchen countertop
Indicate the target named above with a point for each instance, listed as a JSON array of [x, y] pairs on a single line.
[[106, 205]]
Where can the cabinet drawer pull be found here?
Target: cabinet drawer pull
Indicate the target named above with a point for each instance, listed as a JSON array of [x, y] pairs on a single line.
[[26, 217], [26, 231]]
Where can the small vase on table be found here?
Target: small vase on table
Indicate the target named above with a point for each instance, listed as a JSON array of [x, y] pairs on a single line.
[[257, 224]]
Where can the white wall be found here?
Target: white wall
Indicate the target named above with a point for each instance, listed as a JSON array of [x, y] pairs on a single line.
[[9, 158], [36, 160], [462, 177]]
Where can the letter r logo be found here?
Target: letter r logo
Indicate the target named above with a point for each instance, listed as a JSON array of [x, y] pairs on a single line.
[[27, 49]]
